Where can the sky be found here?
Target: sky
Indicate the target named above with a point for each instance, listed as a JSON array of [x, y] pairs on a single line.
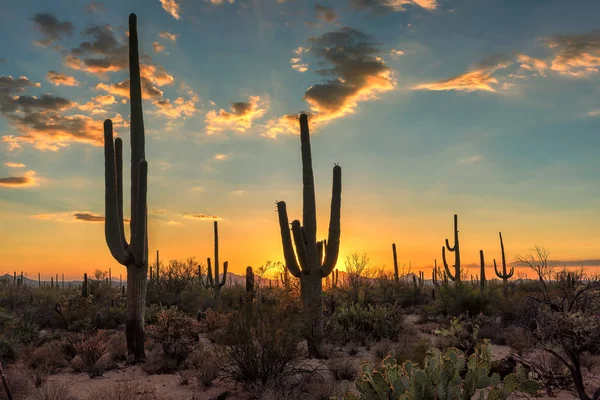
[[487, 109]]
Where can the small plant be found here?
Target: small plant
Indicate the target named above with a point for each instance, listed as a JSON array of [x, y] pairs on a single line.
[[123, 391], [90, 350], [461, 333], [53, 391], [343, 368], [447, 375], [203, 362], [176, 334], [363, 323]]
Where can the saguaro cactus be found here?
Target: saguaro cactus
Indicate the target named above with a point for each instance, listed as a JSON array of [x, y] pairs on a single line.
[[315, 259], [249, 291], [456, 250], [396, 276], [84, 286], [482, 272], [133, 255], [504, 275], [211, 282]]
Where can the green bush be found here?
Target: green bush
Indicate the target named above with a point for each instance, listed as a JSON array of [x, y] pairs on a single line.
[[175, 332], [363, 323]]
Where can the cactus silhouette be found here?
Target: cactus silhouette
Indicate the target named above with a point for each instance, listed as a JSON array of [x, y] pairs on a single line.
[[98, 320], [482, 280], [396, 276], [133, 255], [213, 283], [504, 275], [315, 259], [84, 286], [456, 250]]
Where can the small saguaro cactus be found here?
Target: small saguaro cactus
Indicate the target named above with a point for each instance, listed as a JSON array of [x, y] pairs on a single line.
[[504, 275], [315, 259], [482, 272], [98, 320], [39, 280], [249, 291], [456, 250], [133, 255], [396, 276], [214, 283], [84, 286]]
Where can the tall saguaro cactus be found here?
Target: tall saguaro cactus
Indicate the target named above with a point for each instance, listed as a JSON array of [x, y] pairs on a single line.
[[315, 259], [482, 272], [133, 255], [504, 275], [456, 250], [396, 276], [211, 282]]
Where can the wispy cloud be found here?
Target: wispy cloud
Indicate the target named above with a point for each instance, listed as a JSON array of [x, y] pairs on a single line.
[[58, 79], [575, 55], [158, 47], [202, 217], [471, 160], [169, 36], [221, 157], [239, 119], [478, 79], [396, 53], [171, 7], [14, 165], [393, 5], [29, 179], [325, 14]]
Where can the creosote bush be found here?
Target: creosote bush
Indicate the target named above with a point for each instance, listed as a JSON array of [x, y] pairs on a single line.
[[360, 324], [176, 333]]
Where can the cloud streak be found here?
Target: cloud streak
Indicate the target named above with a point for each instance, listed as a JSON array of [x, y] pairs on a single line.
[[239, 119], [59, 79], [202, 217], [29, 179]]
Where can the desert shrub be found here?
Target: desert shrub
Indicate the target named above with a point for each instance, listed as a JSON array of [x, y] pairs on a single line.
[[17, 381], [382, 349], [363, 323], [464, 299], [519, 339], [91, 349], [450, 373], [123, 391], [461, 333], [203, 362], [117, 345], [15, 333], [409, 349], [263, 352], [53, 391], [343, 368], [48, 357], [8, 352], [215, 325], [176, 334]]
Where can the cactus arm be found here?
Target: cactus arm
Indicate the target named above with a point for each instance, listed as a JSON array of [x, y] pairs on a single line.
[[332, 249], [224, 280], [450, 248], [511, 273], [112, 226], [299, 239], [309, 213], [291, 262], [119, 167], [498, 274], [209, 276], [139, 246], [448, 273], [320, 252]]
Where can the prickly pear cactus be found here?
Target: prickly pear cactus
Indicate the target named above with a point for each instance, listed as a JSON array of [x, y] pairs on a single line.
[[442, 377]]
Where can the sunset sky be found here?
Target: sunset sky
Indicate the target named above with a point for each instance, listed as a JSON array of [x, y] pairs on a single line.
[[485, 108]]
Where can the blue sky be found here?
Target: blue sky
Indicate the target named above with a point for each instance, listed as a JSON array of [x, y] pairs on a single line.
[[488, 109]]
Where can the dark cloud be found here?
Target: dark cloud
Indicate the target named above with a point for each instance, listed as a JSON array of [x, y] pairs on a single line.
[[29, 179], [356, 72], [88, 217], [326, 13], [102, 53], [51, 28], [121, 89], [241, 107]]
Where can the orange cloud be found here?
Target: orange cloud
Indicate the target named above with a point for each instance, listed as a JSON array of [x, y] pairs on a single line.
[[203, 217], [71, 217], [169, 36], [286, 125], [393, 5], [157, 47], [179, 108], [479, 78], [58, 79], [357, 74], [396, 53], [221, 157], [532, 64], [240, 119], [576, 55], [14, 165], [29, 179], [171, 7]]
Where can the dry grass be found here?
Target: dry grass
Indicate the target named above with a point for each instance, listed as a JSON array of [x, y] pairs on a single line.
[[124, 391], [53, 391], [343, 368], [17, 382]]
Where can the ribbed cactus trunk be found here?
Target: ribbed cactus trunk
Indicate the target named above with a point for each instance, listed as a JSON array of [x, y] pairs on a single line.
[[396, 275], [482, 271], [456, 249], [315, 260], [133, 255]]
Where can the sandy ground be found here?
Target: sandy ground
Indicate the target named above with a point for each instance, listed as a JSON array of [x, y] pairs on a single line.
[[167, 387]]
